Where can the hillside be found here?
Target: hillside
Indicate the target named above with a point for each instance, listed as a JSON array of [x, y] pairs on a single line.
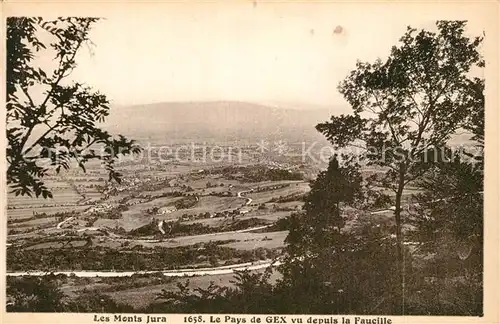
[[220, 120]]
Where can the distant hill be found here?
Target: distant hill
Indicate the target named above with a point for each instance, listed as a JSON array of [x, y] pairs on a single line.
[[220, 120], [226, 121]]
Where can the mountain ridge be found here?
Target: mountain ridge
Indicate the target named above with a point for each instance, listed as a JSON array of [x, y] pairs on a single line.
[[216, 120]]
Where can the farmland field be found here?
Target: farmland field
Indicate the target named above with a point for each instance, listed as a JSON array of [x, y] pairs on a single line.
[[174, 207], [66, 196], [20, 213]]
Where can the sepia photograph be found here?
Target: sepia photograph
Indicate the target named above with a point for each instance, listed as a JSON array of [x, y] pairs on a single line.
[[245, 159]]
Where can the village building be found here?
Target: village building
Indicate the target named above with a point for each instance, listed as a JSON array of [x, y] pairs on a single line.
[[245, 210], [166, 210]]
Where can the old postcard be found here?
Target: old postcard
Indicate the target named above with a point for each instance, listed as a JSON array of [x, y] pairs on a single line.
[[250, 162]]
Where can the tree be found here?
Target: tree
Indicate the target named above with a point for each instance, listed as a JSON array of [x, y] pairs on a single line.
[[410, 104], [97, 302], [447, 221], [329, 268], [49, 118], [322, 207], [35, 294], [449, 212]]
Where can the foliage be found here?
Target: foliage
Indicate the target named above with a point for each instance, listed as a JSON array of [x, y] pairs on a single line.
[[133, 258], [259, 173], [419, 97], [177, 228], [333, 187], [35, 294], [94, 302], [52, 132], [356, 275], [251, 293], [203, 300], [448, 217], [413, 101], [452, 201], [447, 297], [186, 202], [333, 270]]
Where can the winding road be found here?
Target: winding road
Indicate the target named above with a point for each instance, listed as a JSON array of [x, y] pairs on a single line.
[[60, 224], [160, 227], [249, 200], [240, 193]]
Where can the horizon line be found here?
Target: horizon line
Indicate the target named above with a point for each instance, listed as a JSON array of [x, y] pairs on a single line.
[[263, 103]]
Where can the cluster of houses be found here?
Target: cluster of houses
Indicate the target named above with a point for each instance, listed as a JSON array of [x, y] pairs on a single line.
[[166, 210], [274, 187], [222, 214], [233, 212], [101, 208], [276, 165]]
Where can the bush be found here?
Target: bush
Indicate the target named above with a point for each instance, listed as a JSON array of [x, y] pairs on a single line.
[[34, 294], [94, 302]]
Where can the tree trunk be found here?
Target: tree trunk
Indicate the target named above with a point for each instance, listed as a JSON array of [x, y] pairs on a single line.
[[397, 216], [399, 234]]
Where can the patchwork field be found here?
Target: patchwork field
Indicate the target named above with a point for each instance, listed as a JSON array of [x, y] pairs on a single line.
[[62, 196], [269, 195], [207, 216], [21, 213]]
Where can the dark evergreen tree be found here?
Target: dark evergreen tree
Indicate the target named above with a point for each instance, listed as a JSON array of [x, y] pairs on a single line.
[[323, 217], [328, 268]]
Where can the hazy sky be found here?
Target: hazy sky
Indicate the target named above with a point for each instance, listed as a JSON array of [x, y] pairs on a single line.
[[266, 53]]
